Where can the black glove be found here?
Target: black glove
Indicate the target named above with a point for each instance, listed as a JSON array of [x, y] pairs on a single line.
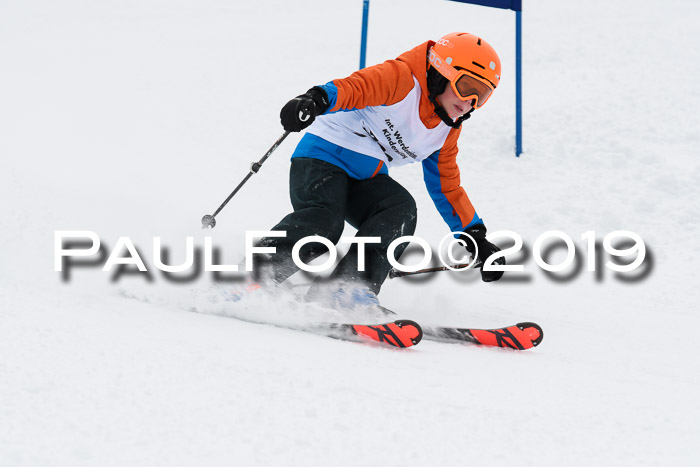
[[486, 249], [301, 111]]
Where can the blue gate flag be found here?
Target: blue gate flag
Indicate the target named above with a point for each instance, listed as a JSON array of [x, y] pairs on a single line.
[[515, 5]]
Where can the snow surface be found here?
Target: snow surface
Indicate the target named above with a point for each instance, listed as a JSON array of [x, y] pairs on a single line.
[[135, 118]]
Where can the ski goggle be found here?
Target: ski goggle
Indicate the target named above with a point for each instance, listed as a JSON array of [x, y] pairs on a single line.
[[466, 84]]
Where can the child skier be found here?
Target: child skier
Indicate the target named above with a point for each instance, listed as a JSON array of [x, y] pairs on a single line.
[[402, 111]]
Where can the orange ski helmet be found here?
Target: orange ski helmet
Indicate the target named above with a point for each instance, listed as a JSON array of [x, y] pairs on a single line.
[[469, 63]]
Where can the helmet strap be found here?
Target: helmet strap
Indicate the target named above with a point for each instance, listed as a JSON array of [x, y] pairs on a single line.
[[442, 113]]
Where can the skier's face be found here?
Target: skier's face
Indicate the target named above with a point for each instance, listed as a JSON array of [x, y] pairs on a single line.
[[453, 105]]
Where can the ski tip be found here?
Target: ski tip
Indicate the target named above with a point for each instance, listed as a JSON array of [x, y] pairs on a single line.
[[520, 336], [412, 328], [401, 333], [532, 331]]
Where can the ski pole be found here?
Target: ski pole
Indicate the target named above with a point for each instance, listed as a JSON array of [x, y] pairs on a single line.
[[208, 220], [394, 273]]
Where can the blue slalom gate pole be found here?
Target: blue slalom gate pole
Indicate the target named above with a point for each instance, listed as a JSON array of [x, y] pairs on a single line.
[[518, 85], [363, 42]]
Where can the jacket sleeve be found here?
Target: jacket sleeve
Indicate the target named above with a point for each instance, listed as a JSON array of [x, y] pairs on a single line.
[[441, 175], [383, 84]]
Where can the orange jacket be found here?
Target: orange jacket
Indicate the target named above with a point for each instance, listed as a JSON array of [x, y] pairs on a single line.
[[389, 103]]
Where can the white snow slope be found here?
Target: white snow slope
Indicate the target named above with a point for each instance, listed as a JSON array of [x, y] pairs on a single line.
[[135, 118]]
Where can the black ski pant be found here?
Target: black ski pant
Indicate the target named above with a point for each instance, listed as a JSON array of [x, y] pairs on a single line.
[[324, 197]]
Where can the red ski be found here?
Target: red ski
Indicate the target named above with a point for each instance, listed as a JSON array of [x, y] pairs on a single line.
[[401, 333], [520, 336]]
